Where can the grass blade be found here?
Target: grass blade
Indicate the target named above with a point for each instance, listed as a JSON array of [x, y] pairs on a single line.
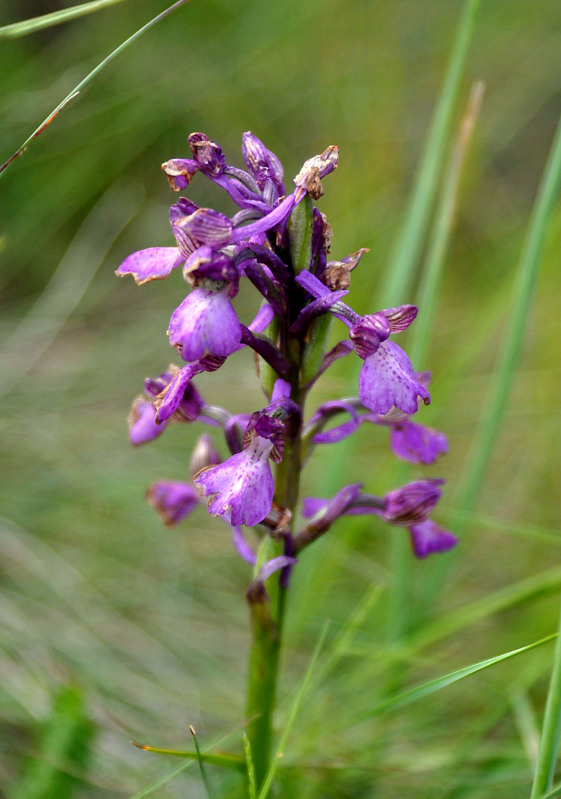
[[430, 687], [427, 295], [78, 88], [27, 26], [398, 609], [175, 772], [221, 759], [530, 260], [202, 769], [293, 713], [409, 242], [551, 730]]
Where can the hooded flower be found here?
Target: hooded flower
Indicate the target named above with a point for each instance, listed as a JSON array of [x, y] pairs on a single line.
[[205, 322]]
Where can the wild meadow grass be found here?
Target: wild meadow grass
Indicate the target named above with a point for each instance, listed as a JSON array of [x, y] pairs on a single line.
[[398, 677]]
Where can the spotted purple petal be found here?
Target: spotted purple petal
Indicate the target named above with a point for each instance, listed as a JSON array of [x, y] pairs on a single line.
[[155, 263], [205, 322], [387, 379], [242, 485], [428, 537]]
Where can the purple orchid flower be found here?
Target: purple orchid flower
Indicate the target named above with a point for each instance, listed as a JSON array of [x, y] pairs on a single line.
[[386, 378], [257, 243], [156, 263], [243, 485]]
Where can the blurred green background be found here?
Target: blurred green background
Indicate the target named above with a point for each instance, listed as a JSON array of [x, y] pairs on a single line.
[[114, 627]]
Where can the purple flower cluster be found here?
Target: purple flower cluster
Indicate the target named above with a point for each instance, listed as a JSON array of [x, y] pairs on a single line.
[[279, 242]]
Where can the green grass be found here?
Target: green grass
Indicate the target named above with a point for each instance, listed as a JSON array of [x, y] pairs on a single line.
[[148, 626]]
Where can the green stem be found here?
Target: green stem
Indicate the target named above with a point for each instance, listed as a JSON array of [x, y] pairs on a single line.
[[551, 730], [267, 620]]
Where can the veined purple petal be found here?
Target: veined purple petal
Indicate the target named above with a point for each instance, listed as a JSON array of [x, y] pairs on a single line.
[[313, 505], [324, 413], [417, 444], [387, 379], [170, 402], [172, 500], [261, 162], [205, 322], [155, 263], [241, 195], [271, 220], [181, 209], [368, 333], [412, 503], [428, 537], [401, 317], [208, 226], [243, 485], [142, 423]]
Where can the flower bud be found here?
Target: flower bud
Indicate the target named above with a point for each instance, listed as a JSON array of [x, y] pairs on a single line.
[[207, 154], [179, 172], [205, 454], [261, 162], [172, 500], [337, 273], [412, 503], [309, 177]]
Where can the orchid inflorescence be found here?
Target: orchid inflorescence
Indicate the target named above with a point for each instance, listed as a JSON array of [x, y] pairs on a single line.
[[280, 243]]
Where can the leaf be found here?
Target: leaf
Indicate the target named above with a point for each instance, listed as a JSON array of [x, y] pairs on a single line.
[[27, 26], [78, 88], [409, 242], [222, 759], [430, 687]]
